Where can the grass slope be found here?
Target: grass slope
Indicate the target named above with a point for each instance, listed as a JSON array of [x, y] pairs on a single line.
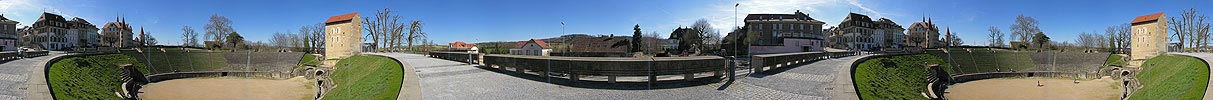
[[1170, 77], [366, 78], [89, 78], [905, 79], [309, 59]]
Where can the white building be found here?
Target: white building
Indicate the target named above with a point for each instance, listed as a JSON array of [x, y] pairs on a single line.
[[8, 34], [532, 47]]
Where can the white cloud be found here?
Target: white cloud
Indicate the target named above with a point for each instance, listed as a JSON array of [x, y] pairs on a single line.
[[865, 8], [29, 10]]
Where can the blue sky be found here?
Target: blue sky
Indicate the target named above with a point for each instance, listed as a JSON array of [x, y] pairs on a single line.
[[496, 20]]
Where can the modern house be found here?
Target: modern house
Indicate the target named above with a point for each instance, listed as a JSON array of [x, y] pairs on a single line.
[[343, 36], [531, 47], [783, 33], [8, 34], [1149, 37]]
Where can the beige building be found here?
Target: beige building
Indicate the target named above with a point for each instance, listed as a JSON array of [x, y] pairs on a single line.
[[1149, 37], [343, 36]]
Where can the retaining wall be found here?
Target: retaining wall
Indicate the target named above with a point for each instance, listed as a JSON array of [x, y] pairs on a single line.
[[610, 66], [179, 75], [772, 61]]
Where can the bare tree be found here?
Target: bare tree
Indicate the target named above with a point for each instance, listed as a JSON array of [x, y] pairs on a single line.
[[415, 32], [383, 25], [995, 37], [1024, 28], [305, 36], [1187, 27], [188, 36], [318, 36], [218, 28], [710, 36], [954, 40]]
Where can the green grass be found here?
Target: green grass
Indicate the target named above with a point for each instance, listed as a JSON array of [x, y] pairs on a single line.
[[905, 79], [1114, 60], [309, 59], [1170, 77], [89, 77], [178, 61], [366, 78], [986, 60]]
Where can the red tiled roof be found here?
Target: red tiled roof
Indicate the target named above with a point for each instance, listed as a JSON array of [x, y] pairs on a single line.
[[342, 17], [539, 42], [1144, 18], [461, 45]]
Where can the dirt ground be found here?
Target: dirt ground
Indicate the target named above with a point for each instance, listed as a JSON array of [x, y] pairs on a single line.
[[230, 88], [1027, 89]]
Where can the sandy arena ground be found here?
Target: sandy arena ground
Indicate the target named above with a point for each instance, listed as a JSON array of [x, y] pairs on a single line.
[[230, 88], [1027, 89]]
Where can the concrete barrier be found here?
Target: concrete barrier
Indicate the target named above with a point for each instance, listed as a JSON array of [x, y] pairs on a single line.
[[765, 62], [612, 67]]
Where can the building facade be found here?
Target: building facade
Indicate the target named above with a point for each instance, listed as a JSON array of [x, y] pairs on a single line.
[[84, 34], [532, 47], [783, 33], [117, 34], [8, 34], [343, 36], [923, 34], [1149, 37], [889, 34]]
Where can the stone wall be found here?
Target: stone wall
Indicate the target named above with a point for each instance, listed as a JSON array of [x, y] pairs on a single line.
[[607, 66], [253, 74], [772, 61]]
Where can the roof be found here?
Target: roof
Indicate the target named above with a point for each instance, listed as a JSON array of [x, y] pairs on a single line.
[[2, 17], [1145, 18], [51, 17], [342, 17], [461, 45], [120, 25], [539, 42], [925, 25]]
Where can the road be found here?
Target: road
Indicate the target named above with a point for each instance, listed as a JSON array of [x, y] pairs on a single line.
[[449, 80], [24, 79]]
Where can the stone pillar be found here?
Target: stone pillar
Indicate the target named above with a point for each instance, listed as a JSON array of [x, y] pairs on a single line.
[[574, 77], [611, 78], [652, 78], [688, 76], [520, 70]]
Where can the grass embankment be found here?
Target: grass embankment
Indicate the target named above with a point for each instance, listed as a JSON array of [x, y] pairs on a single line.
[[309, 59], [90, 77], [977, 60], [1171, 77], [366, 78], [905, 79], [1115, 60], [180, 61]]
